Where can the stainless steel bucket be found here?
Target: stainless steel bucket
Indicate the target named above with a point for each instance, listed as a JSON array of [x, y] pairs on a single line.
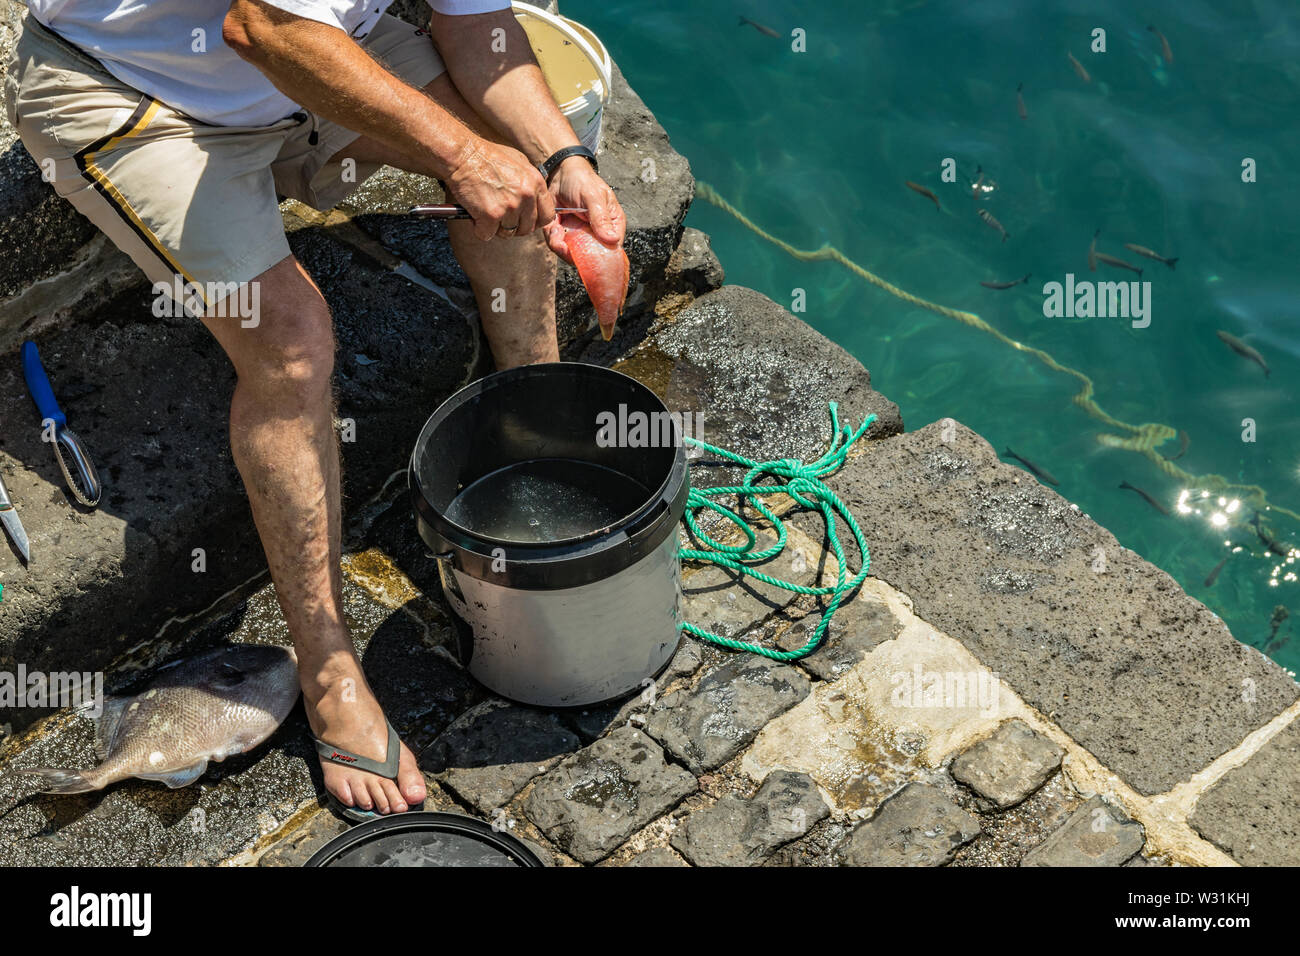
[[568, 622]]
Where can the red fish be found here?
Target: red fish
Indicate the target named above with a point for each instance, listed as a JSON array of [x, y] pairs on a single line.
[[604, 270]]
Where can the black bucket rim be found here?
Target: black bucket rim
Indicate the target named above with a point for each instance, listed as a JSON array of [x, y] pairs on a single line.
[[425, 821], [550, 564]]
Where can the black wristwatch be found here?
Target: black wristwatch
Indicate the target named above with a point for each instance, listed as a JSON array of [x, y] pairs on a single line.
[[548, 168]]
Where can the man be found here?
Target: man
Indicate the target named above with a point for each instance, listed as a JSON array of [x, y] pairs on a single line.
[[172, 125]]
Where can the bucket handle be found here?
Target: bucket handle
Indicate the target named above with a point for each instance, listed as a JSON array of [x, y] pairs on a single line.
[[450, 586]]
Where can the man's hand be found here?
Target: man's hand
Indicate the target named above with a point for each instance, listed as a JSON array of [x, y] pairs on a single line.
[[504, 192], [575, 183]]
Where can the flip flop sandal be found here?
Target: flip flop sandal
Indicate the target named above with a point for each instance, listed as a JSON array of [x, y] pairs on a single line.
[[387, 770]]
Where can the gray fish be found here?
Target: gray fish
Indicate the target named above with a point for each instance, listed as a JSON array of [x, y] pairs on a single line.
[[1149, 500], [214, 705], [1006, 285], [1092, 252], [1266, 538], [766, 31], [993, 223], [1214, 575], [1042, 473], [1150, 254], [1244, 350], [1117, 263], [1078, 68], [1165, 50], [1183, 442]]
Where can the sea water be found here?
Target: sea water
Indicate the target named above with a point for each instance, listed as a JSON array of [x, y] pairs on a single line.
[[546, 499]]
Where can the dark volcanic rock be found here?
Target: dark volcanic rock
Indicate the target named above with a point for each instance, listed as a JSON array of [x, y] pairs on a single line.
[[493, 750], [597, 798], [737, 832], [1097, 834], [918, 826], [706, 727]]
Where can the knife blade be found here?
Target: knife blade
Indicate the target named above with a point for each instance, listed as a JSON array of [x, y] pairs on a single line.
[[452, 211], [13, 525]]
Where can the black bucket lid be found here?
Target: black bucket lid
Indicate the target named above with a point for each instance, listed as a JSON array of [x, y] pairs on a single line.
[[424, 839]]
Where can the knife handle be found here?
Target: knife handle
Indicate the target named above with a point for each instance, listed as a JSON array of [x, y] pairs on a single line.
[[38, 383]]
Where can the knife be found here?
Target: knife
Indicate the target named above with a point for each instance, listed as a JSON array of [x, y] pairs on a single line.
[[86, 487], [452, 211], [9, 518]]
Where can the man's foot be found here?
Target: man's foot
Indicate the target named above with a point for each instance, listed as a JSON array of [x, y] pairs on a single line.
[[344, 713]]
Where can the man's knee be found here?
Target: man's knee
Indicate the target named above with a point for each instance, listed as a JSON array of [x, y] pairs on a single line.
[[291, 348]]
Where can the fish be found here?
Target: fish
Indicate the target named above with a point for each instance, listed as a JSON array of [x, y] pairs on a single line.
[[993, 223], [1150, 254], [1149, 500], [766, 31], [604, 270], [211, 706], [1092, 251], [916, 187], [1266, 538], [1006, 285], [1117, 263], [1214, 575], [1183, 442], [1020, 102], [1078, 68], [1244, 350], [1165, 50], [1041, 473]]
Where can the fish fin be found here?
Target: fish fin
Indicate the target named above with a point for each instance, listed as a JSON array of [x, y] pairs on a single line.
[[55, 780], [106, 724], [178, 778], [1170, 262]]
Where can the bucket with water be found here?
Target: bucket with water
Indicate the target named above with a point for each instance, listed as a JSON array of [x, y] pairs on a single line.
[[551, 496]]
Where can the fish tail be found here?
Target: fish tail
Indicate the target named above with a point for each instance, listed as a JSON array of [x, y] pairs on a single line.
[[1125, 484], [1170, 262], [743, 22], [1026, 278], [55, 780]]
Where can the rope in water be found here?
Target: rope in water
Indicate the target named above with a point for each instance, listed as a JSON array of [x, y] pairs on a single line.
[[803, 483], [1142, 439]]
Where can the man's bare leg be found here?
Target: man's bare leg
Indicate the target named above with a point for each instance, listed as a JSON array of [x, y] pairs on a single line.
[[283, 442], [513, 279]]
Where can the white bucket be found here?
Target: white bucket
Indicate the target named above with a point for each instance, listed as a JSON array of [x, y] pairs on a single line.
[[576, 66]]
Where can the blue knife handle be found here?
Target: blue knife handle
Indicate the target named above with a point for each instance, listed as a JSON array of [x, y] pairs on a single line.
[[38, 383]]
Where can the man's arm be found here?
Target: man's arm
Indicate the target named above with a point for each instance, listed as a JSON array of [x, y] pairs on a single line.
[[323, 69], [506, 87]]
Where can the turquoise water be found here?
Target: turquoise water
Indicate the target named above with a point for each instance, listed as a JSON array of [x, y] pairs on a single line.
[[815, 147]]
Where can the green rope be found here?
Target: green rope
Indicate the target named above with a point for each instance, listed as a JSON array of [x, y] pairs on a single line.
[[802, 482]]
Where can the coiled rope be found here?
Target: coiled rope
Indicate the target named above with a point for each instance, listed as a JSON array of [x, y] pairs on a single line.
[[802, 483]]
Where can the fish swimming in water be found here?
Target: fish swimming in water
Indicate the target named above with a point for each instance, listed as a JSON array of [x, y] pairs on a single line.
[[604, 270], [1092, 252], [1078, 68], [1266, 538], [1165, 49], [1149, 500], [1183, 442], [1117, 263], [1150, 254], [1041, 473], [1020, 102], [1214, 575], [219, 703], [993, 223], [1244, 350], [1006, 285], [916, 187], [766, 31]]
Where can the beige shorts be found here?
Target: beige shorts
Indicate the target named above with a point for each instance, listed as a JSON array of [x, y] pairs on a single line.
[[181, 197]]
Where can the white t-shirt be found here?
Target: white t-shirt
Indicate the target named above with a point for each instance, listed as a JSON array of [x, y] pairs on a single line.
[[173, 51]]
